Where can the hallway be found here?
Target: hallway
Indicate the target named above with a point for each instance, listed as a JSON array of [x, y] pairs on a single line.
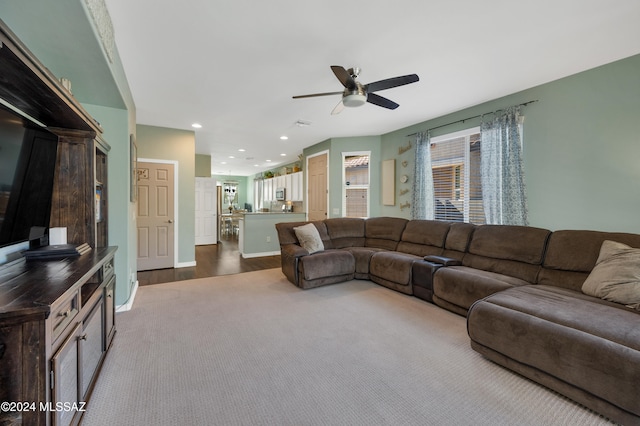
[[211, 260]]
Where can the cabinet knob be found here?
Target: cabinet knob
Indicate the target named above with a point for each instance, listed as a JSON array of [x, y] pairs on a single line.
[[65, 313]]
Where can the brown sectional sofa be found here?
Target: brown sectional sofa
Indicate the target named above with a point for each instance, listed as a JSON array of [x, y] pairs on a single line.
[[520, 288]]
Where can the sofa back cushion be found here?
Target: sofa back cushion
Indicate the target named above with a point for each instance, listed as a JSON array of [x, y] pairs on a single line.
[[517, 251], [345, 231], [572, 254], [384, 232], [424, 237], [458, 239], [286, 234]]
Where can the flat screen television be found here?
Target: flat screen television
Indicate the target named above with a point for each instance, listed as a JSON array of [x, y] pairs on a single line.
[[27, 167]]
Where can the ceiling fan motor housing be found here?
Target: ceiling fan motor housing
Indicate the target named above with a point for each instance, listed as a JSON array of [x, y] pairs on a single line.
[[354, 97]]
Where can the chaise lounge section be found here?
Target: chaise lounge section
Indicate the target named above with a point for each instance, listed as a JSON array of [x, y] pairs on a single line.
[[521, 289]]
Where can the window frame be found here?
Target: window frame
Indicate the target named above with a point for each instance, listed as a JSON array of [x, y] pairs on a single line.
[[344, 185], [466, 188]]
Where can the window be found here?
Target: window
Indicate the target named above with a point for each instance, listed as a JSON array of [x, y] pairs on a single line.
[[356, 184], [455, 164]]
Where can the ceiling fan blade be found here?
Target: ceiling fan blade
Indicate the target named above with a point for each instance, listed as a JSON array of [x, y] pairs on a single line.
[[391, 82], [338, 108], [372, 98], [344, 77], [316, 94]]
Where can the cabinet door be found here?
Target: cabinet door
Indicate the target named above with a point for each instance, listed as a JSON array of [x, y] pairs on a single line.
[[296, 187], [91, 346], [65, 379], [268, 190], [288, 185], [110, 311]]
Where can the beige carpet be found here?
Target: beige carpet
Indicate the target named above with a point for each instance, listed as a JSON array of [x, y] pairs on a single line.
[[252, 349]]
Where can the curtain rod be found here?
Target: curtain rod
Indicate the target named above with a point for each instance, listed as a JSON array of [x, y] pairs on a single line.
[[471, 118]]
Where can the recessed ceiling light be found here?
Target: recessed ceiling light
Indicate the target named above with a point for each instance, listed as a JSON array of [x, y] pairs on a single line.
[[283, 155], [231, 156], [284, 138], [268, 161], [223, 162], [196, 126], [241, 150]]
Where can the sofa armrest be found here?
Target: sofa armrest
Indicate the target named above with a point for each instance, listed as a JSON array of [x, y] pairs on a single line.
[[293, 251], [290, 255], [444, 261]]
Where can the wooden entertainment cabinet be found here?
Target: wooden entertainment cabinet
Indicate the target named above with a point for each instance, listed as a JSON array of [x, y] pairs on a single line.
[[57, 317]]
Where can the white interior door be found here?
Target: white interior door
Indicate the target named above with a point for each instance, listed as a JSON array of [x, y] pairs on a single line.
[[155, 216], [206, 221]]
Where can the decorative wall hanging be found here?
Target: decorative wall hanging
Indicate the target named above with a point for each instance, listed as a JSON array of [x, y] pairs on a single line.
[[388, 182], [404, 149], [405, 206]]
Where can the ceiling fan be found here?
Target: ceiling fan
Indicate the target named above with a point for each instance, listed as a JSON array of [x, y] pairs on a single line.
[[356, 94]]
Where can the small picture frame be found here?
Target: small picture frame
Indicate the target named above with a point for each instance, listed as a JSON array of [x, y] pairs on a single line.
[[133, 152]]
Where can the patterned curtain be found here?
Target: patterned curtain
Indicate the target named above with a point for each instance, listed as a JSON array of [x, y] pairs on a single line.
[[422, 201], [502, 174]]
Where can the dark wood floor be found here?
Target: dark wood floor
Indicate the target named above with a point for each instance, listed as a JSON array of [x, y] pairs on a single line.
[[213, 260]]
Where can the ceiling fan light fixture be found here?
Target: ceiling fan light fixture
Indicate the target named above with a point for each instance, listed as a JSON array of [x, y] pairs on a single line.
[[354, 100]]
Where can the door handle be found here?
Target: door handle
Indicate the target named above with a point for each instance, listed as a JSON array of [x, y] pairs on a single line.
[[170, 221]]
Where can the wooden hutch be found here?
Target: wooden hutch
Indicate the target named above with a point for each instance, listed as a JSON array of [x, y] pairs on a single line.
[[57, 317]]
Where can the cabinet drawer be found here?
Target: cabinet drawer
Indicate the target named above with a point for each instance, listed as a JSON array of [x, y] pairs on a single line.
[[107, 270], [63, 315]]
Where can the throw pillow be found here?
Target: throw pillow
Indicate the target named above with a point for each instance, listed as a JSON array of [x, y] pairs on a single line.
[[616, 275], [309, 238]]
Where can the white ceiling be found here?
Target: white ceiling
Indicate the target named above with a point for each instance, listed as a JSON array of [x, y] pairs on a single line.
[[233, 66]]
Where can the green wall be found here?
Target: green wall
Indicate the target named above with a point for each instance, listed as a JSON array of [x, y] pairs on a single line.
[[160, 143], [581, 148], [203, 165], [122, 231], [245, 188]]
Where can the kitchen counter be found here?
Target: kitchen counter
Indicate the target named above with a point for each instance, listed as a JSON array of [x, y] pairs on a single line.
[[257, 232], [275, 212]]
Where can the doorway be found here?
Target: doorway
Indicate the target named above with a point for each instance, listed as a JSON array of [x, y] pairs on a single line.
[[156, 215]]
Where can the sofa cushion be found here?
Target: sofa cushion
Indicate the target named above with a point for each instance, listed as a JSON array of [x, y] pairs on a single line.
[[287, 235], [423, 237], [461, 285], [392, 266], [362, 256], [563, 268], [384, 232], [458, 239], [511, 250], [616, 276], [346, 231], [309, 238], [326, 264], [393, 270]]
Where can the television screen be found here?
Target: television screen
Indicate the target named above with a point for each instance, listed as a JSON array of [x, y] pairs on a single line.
[[27, 167]]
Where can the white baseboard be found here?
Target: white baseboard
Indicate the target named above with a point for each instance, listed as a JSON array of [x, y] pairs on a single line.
[[185, 264], [129, 304], [262, 254]]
